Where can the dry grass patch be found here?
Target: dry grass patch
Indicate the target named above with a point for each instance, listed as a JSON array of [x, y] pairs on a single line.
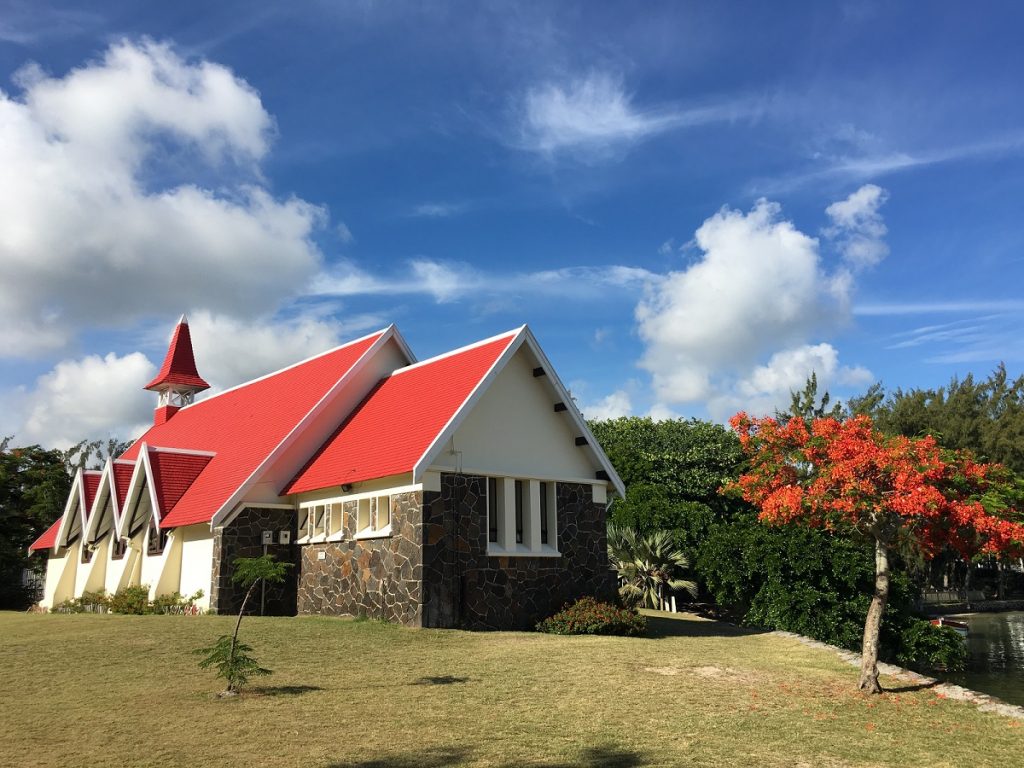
[[124, 690]]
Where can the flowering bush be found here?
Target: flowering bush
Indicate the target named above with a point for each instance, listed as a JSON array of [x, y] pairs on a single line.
[[587, 616]]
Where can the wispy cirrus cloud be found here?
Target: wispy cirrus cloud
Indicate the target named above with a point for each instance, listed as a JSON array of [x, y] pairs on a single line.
[[881, 309], [450, 281], [592, 114], [438, 210]]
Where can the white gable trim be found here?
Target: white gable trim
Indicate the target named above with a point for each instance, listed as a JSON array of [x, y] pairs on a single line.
[[106, 484], [143, 474], [523, 336], [225, 510], [77, 493]]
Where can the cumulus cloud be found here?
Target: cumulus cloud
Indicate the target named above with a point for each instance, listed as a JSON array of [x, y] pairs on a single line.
[[737, 327], [858, 228], [616, 404], [595, 112], [88, 234], [92, 397]]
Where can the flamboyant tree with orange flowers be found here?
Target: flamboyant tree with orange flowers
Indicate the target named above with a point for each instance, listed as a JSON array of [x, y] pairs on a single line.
[[847, 475]]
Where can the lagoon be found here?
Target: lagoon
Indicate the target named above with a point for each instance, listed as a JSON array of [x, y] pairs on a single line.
[[996, 665]]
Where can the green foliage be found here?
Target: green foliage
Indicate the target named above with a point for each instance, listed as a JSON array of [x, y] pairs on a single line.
[[93, 454], [232, 660], [71, 605], [649, 566], [923, 645], [132, 600], [33, 488], [249, 570], [672, 470], [798, 579], [806, 404], [587, 616], [176, 603]]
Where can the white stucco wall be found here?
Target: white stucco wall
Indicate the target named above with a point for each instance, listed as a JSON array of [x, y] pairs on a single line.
[[513, 431], [162, 573], [60, 575], [124, 572], [197, 562], [91, 576]]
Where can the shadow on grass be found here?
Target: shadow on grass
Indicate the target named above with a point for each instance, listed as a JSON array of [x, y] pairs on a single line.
[[592, 757], [441, 680], [282, 690], [665, 626], [912, 688]]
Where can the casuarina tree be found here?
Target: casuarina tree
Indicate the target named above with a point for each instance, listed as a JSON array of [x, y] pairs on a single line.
[[896, 491], [231, 658]]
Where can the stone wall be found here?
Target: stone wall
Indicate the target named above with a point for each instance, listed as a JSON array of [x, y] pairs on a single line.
[[380, 578], [464, 586], [243, 537]]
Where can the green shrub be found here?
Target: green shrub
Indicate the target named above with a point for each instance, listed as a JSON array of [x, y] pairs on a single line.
[[134, 600], [924, 645], [589, 617], [176, 603], [95, 602], [71, 605]]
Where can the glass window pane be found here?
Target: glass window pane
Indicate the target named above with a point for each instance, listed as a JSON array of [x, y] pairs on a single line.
[[519, 511], [543, 513], [383, 512], [492, 509]]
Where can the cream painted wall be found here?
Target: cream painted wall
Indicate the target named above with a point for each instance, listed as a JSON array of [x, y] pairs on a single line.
[[91, 576], [124, 572], [60, 575], [380, 484], [163, 572], [197, 562], [513, 431]]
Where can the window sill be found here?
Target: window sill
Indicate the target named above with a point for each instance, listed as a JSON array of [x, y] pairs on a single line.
[[383, 533], [339, 536], [493, 550]]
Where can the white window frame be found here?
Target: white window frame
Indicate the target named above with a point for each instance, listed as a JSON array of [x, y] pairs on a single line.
[[505, 489], [311, 529], [372, 529]]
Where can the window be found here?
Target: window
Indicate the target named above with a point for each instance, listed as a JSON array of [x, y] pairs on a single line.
[[156, 540], [320, 522], [492, 509], [118, 549], [521, 517], [374, 517], [543, 513]]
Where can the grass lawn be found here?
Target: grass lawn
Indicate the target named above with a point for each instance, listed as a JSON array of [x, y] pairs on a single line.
[[125, 691]]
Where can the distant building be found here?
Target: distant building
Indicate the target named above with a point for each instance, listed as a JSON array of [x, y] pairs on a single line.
[[464, 490]]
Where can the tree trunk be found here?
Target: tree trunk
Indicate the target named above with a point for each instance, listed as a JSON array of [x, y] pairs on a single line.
[[873, 624], [234, 637]]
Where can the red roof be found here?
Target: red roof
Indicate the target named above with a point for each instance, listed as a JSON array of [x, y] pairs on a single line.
[[91, 483], [173, 473], [180, 364], [243, 426], [122, 479], [395, 424], [48, 538]]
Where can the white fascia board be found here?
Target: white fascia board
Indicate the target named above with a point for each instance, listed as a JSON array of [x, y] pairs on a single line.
[[236, 498], [77, 493], [107, 484], [437, 445], [581, 424], [143, 473]]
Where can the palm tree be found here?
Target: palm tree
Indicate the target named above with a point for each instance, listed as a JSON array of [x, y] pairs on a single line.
[[648, 566]]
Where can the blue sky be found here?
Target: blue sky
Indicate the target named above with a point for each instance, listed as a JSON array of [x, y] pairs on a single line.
[[693, 205]]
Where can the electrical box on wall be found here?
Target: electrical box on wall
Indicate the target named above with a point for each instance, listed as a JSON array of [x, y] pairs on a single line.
[[321, 555], [285, 537], [268, 537]]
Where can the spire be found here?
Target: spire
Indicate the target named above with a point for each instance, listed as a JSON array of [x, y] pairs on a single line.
[[178, 380]]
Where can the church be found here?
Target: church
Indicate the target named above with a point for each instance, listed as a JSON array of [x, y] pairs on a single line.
[[460, 491]]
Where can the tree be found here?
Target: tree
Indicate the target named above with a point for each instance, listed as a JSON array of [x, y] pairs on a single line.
[[807, 405], [33, 488], [231, 658], [894, 491], [648, 566]]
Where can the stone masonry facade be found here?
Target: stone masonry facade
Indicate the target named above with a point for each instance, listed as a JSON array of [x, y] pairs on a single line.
[[243, 537], [434, 570], [380, 578]]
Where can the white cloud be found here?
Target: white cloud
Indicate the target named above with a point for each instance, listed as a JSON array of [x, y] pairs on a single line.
[[87, 236], [344, 233], [735, 329], [616, 404], [230, 351], [858, 228], [452, 281], [92, 397], [438, 210], [594, 113]]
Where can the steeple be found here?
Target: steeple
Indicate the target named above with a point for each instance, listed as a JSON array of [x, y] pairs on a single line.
[[178, 380]]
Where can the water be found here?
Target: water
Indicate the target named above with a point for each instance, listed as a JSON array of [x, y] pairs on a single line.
[[996, 665]]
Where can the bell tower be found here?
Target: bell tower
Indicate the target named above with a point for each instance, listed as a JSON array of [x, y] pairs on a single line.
[[178, 380]]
